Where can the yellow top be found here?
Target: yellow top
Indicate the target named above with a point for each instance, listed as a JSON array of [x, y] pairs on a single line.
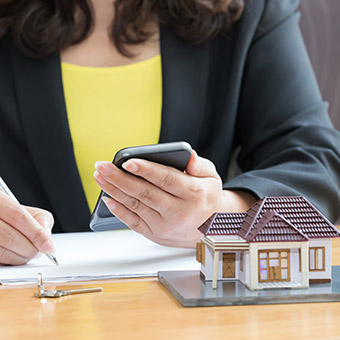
[[111, 108]]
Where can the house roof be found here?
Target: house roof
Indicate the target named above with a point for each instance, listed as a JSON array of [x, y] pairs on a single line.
[[222, 224], [289, 218], [273, 227], [298, 211]]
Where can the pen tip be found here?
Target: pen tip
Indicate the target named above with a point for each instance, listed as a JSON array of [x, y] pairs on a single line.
[[53, 259]]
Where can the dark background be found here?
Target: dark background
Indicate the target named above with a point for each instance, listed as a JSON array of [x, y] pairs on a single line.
[[320, 25]]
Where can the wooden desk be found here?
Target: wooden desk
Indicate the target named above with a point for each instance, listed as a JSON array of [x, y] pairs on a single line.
[[143, 309]]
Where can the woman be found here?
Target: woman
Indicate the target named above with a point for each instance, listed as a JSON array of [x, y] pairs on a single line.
[[81, 80]]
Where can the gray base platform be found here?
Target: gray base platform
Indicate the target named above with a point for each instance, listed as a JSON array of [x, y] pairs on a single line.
[[191, 291]]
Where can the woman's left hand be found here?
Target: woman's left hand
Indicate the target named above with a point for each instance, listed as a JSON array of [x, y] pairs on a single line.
[[164, 204]]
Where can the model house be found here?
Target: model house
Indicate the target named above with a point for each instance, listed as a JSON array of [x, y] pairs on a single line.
[[280, 242]]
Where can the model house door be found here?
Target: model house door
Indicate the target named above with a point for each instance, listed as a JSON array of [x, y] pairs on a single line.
[[228, 265], [274, 265]]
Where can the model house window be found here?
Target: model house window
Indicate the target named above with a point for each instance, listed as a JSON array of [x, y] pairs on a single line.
[[317, 259], [200, 252], [274, 265]]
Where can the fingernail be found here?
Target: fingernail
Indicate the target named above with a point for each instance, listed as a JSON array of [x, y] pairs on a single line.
[[103, 167], [130, 166], [110, 203], [98, 178], [47, 247]]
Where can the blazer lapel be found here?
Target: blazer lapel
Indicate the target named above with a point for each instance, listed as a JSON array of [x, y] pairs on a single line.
[[185, 72], [42, 108]]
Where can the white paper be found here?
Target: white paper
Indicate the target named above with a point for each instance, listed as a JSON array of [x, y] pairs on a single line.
[[103, 255]]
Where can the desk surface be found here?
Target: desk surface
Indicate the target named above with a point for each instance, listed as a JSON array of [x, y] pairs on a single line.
[[143, 309]]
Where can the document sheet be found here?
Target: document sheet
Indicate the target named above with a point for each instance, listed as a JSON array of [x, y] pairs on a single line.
[[98, 256]]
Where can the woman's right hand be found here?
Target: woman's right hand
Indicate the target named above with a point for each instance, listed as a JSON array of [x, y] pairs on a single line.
[[24, 232]]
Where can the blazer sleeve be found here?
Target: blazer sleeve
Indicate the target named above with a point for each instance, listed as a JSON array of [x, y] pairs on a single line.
[[287, 143]]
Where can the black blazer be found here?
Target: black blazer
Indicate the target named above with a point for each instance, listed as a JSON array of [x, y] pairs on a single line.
[[253, 91]]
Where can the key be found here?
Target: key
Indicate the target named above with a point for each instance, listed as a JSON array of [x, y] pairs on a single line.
[[42, 293], [59, 293]]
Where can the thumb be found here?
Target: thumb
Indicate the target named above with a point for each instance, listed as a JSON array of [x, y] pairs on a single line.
[[43, 217], [200, 167]]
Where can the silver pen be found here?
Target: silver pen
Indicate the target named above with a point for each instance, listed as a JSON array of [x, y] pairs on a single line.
[[4, 188]]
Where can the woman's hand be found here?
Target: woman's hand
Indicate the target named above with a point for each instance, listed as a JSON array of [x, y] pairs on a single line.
[[24, 231], [164, 204]]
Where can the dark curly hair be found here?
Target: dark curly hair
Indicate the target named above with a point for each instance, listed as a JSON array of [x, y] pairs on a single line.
[[40, 28]]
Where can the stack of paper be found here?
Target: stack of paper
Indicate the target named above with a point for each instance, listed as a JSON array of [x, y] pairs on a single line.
[[104, 255]]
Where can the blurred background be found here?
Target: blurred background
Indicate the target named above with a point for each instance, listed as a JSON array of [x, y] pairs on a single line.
[[320, 25]]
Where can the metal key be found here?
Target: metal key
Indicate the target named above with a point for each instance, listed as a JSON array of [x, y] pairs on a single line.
[[42, 293]]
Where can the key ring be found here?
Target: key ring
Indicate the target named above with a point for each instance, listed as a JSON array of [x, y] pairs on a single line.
[[40, 284], [42, 293]]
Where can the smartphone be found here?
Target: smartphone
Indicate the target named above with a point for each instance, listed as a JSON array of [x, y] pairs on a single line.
[[174, 154]]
